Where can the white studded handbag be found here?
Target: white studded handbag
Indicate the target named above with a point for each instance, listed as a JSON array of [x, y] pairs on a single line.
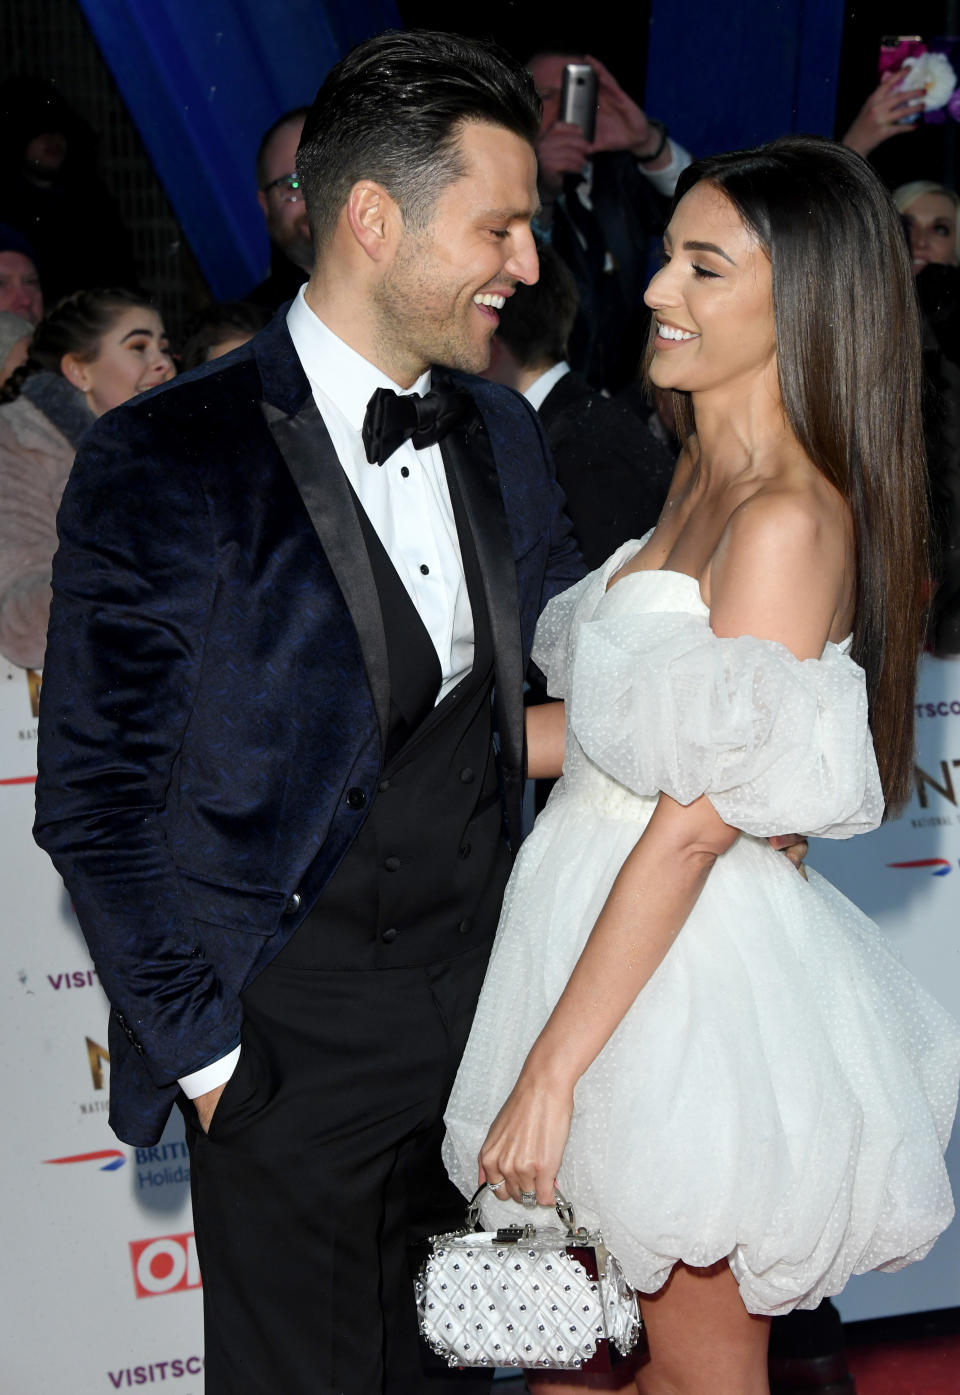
[[525, 1296]]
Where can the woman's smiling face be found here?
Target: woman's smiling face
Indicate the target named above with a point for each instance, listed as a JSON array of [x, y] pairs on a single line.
[[131, 357], [712, 300]]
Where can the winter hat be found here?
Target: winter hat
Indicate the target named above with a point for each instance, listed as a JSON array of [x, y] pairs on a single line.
[[13, 241]]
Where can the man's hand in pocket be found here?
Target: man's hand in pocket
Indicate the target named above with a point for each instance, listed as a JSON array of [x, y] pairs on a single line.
[[206, 1104]]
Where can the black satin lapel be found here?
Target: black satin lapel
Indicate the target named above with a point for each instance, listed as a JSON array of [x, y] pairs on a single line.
[[468, 452], [304, 443]]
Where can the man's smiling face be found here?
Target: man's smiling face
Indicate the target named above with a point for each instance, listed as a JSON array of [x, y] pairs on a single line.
[[438, 302]]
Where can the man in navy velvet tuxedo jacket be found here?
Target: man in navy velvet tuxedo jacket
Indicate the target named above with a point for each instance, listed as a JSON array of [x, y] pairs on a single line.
[[241, 709]]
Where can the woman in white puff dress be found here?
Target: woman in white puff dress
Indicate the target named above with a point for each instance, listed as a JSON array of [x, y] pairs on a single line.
[[721, 1063]]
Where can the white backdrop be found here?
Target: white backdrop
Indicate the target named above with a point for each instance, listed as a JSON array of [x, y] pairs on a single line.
[[906, 875], [100, 1283], [101, 1289]]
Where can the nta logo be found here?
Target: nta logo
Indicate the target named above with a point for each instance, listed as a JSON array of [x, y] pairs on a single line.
[[97, 1057], [944, 786]]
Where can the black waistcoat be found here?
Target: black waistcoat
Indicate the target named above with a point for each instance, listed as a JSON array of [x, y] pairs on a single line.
[[424, 878]]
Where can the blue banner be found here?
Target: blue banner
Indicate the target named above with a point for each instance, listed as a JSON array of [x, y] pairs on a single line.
[[202, 82]]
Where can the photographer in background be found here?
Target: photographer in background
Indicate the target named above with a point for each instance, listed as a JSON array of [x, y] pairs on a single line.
[[601, 203]]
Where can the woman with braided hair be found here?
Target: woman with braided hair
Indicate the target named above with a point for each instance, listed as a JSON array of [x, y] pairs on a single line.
[[95, 350]]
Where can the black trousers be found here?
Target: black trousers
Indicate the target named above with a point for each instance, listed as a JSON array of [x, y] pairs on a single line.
[[321, 1165]]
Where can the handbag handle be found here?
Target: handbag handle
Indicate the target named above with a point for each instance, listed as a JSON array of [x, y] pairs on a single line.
[[564, 1209]]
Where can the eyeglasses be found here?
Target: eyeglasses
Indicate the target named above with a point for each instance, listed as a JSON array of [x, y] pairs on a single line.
[[288, 186]]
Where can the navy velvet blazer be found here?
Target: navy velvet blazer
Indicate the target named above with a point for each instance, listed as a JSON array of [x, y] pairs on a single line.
[[215, 685]]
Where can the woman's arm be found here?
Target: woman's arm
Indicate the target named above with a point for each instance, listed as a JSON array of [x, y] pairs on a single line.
[[884, 113], [778, 575], [642, 916], [546, 725]]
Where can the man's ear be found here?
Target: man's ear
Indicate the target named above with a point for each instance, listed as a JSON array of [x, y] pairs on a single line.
[[374, 218], [75, 371], [262, 201]]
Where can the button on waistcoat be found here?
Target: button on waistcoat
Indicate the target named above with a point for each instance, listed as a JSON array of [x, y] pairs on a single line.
[[423, 880]]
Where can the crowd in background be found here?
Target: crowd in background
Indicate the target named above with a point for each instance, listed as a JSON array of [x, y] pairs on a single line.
[[78, 336]]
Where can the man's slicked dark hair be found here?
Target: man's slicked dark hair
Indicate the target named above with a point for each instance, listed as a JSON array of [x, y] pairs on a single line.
[[391, 111]]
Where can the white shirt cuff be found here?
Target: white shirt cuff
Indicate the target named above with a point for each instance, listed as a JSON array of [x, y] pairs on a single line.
[[218, 1072], [665, 180]]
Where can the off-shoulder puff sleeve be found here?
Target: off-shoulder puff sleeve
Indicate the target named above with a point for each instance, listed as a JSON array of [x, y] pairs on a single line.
[[552, 643], [780, 745]]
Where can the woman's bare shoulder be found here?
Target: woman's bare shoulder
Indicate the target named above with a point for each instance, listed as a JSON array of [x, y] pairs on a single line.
[[800, 512], [783, 568]]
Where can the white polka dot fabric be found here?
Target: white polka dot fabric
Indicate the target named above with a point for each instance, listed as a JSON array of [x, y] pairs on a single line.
[[782, 1090]]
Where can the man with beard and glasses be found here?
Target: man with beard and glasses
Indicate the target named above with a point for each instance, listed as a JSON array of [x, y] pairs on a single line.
[[280, 197], [281, 749]]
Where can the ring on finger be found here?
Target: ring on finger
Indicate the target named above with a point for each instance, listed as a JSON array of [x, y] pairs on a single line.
[[495, 1186], [528, 1199]]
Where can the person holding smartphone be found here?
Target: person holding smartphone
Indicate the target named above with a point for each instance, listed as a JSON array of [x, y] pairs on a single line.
[[890, 110], [603, 198]]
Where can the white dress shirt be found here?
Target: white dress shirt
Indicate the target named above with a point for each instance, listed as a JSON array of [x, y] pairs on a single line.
[[407, 501], [663, 180], [541, 388]]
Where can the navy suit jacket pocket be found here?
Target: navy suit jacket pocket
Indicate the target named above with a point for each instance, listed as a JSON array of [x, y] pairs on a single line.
[[232, 923]]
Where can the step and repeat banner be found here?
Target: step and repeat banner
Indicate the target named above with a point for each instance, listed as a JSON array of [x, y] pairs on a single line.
[[906, 875], [101, 1288]]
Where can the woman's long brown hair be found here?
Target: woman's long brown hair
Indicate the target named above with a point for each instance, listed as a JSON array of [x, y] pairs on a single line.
[[849, 360]]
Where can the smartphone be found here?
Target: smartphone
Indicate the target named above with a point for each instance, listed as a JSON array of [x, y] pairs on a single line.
[[894, 48], [939, 58], [578, 98]]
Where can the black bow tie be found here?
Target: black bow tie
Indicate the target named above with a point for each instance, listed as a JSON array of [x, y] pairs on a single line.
[[391, 419]]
